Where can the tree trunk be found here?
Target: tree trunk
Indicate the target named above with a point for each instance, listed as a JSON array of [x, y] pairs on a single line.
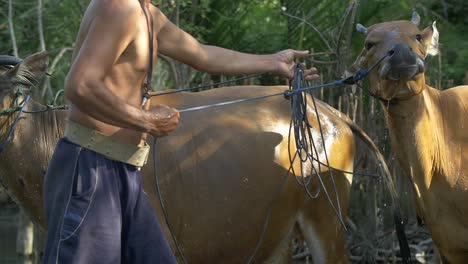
[[47, 87], [12, 28], [182, 73]]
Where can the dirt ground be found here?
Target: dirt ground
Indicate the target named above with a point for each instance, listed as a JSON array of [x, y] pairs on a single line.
[[382, 248]]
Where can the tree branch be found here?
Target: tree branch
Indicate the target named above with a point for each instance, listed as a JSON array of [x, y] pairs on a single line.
[[47, 87], [57, 58], [40, 26], [314, 28], [11, 28], [171, 64]]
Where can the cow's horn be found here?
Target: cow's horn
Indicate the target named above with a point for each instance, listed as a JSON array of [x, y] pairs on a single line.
[[361, 28], [9, 60], [416, 19]]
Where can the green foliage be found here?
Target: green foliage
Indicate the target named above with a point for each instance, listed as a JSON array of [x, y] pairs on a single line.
[[61, 20], [187, 13], [248, 26], [454, 57], [255, 26], [451, 21]]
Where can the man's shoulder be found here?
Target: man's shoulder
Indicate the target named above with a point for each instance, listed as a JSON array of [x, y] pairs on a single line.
[[117, 8], [159, 17]]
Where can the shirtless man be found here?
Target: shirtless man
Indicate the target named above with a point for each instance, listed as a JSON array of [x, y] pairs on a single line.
[[96, 210]]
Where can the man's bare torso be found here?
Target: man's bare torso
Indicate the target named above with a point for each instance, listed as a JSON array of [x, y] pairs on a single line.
[[127, 75]]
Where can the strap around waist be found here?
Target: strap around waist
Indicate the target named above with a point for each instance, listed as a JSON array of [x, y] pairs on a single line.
[[107, 145]]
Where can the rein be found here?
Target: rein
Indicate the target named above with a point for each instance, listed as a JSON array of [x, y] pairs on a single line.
[[360, 75], [209, 85], [19, 108]]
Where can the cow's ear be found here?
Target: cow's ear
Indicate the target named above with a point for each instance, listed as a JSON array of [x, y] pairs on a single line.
[[37, 64], [362, 29], [416, 19], [431, 39], [31, 69]]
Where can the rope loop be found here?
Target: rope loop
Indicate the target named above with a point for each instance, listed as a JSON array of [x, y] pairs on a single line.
[[306, 146]]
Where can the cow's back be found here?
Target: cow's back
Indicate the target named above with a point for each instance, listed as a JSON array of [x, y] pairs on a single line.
[[219, 172], [221, 168]]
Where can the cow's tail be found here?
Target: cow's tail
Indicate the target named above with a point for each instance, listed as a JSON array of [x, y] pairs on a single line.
[[388, 179]]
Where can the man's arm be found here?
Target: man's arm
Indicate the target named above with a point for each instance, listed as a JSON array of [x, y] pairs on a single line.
[[109, 34], [179, 45]]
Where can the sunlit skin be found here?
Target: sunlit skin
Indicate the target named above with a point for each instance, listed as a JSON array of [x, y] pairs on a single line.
[[428, 129], [110, 61]]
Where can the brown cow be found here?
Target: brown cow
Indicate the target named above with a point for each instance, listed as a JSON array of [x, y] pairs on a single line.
[[218, 172], [427, 128]]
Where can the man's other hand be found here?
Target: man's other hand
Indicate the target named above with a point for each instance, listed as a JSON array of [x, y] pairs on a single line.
[[285, 61], [166, 120]]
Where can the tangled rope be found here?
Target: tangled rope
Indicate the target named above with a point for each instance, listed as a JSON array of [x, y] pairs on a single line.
[[306, 146]]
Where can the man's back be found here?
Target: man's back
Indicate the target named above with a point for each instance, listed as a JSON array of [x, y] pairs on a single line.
[[104, 23]]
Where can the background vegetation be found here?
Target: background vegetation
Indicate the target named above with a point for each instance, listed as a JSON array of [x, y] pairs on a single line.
[[326, 27], [256, 26]]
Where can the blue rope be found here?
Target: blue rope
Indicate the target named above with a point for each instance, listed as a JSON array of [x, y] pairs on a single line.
[[360, 75], [209, 85], [286, 94]]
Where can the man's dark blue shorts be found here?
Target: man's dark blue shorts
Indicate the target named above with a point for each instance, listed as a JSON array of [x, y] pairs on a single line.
[[97, 211]]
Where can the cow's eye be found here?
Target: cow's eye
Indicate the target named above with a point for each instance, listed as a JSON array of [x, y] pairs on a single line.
[[419, 37], [369, 45]]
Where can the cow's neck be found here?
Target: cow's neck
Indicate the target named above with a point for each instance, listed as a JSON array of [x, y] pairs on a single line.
[[23, 162], [39, 130], [417, 139], [50, 122]]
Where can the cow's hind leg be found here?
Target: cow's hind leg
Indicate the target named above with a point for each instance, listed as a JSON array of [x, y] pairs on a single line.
[[320, 226], [283, 254]]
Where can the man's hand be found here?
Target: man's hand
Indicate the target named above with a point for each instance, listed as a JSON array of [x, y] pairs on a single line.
[[167, 120], [285, 64]]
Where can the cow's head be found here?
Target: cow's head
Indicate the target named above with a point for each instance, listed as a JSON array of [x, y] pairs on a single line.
[[16, 74], [401, 74]]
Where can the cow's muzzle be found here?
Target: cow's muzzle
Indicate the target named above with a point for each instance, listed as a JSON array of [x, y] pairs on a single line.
[[403, 64]]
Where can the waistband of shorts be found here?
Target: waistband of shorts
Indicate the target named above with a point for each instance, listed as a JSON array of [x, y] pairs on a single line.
[[108, 146]]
